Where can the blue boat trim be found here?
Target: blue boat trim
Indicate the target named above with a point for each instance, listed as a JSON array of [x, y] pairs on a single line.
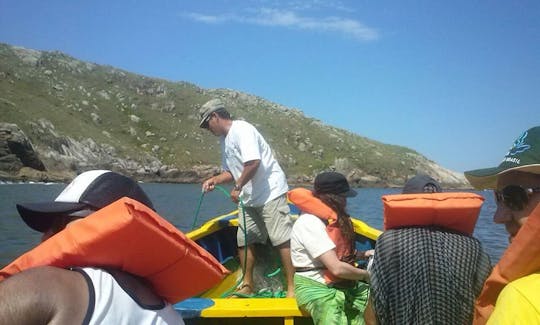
[[221, 244], [192, 307], [225, 222], [294, 209]]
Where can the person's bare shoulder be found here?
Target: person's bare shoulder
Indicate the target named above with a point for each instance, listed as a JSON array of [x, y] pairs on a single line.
[[43, 295]]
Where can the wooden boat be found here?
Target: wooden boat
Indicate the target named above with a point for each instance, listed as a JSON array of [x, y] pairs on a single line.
[[218, 236]]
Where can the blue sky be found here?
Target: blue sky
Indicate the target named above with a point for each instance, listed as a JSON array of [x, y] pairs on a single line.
[[457, 81]]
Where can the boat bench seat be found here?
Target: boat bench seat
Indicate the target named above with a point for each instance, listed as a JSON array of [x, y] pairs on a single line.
[[285, 308]]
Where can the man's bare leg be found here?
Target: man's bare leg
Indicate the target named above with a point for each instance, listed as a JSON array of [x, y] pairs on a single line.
[[247, 285], [288, 268]]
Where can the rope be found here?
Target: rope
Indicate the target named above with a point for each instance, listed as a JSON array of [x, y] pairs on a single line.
[[230, 292], [263, 293], [276, 272], [198, 210]]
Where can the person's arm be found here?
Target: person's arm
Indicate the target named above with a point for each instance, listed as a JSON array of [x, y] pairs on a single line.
[[44, 295], [341, 269], [250, 168], [369, 314], [210, 184], [364, 255], [515, 307]]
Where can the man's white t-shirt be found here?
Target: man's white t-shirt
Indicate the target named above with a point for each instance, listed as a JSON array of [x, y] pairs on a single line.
[[111, 304], [309, 240], [244, 143]]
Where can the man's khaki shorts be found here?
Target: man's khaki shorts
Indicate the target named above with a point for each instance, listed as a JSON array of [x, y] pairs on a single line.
[[273, 220]]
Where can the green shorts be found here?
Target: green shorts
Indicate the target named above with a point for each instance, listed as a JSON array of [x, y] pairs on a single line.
[[271, 221]]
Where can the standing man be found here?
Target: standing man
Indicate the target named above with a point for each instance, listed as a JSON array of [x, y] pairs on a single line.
[[247, 160], [511, 294]]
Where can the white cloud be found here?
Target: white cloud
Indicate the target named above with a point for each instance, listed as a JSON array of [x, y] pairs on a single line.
[[304, 5], [289, 19], [209, 19]]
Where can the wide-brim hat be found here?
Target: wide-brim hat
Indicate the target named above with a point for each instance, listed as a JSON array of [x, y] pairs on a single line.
[[90, 190], [523, 156]]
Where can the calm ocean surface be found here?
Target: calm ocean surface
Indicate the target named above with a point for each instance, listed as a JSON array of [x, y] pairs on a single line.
[[178, 203]]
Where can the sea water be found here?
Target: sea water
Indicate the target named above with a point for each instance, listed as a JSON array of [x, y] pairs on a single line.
[[178, 203]]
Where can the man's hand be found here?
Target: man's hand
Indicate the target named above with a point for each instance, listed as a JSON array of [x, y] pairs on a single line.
[[369, 253], [235, 195], [209, 184], [364, 255]]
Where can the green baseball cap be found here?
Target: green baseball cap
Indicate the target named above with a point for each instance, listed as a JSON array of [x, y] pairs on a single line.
[[523, 156]]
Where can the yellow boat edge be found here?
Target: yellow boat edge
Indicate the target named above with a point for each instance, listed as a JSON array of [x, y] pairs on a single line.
[[213, 225]]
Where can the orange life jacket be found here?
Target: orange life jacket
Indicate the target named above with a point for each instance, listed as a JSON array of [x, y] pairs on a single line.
[[520, 259], [457, 211], [305, 201], [129, 236]]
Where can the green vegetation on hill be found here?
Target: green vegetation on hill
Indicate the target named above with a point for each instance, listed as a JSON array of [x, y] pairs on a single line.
[[58, 100]]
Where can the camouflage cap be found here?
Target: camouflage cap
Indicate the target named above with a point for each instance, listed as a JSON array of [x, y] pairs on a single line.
[[207, 109]]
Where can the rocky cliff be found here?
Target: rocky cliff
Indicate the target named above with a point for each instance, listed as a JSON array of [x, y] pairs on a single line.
[[60, 116]]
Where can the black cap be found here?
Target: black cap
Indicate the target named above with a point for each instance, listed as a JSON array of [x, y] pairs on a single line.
[[421, 183], [333, 183], [90, 190]]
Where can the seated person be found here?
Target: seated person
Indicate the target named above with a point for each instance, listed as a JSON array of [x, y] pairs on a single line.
[[511, 294], [85, 295], [425, 274], [326, 282], [421, 183]]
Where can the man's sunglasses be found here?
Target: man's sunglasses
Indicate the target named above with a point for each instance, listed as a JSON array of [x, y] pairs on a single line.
[[515, 197]]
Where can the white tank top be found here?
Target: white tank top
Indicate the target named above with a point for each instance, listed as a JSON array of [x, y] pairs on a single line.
[[111, 304]]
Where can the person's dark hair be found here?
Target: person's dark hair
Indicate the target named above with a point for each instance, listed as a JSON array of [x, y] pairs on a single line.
[[224, 114], [337, 203]]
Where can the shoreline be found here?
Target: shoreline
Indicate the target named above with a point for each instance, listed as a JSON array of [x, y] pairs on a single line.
[[291, 184], [30, 176]]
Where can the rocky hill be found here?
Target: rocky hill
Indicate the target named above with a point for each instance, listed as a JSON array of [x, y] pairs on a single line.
[[60, 116]]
